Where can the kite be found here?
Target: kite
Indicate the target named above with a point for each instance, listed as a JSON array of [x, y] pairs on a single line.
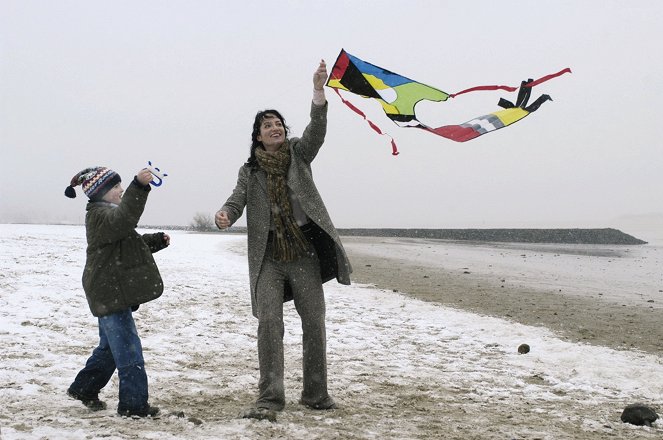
[[157, 174], [398, 96]]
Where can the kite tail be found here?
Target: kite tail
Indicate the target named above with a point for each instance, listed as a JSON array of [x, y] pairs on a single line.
[[524, 93], [530, 83], [523, 96], [547, 77], [536, 104], [477, 88], [394, 149]]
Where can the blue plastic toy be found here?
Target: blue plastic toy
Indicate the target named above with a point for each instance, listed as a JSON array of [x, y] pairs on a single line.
[[157, 173]]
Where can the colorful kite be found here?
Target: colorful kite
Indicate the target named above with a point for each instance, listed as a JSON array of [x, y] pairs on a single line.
[[398, 96]]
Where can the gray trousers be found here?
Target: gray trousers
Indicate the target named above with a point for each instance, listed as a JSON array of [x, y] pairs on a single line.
[[303, 275]]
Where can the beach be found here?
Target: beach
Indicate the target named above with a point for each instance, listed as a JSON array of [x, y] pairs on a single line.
[[598, 294], [423, 344]]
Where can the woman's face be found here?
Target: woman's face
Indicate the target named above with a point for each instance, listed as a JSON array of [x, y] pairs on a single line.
[[114, 195], [272, 132]]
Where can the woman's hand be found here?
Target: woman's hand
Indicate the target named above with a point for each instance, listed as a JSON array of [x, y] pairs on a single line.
[[320, 76], [221, 219]]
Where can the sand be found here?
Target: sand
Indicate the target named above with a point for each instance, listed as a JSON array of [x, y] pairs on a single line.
[[602, 295], [399, 367]]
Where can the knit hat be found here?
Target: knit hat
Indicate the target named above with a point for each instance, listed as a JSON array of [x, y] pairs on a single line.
[[96, 181]]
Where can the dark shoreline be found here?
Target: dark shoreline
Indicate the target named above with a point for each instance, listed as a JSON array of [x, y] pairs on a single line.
[[606, 236], [556, 236]]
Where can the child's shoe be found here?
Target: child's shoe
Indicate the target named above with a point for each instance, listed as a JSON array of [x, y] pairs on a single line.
[[92, 402], [148, 411]]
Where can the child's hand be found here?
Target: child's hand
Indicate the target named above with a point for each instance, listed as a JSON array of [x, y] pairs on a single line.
[[144, 177], [166, 239]]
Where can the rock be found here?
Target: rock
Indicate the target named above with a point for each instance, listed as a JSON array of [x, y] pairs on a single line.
[[639, 414], [523, 349], [180, 415]]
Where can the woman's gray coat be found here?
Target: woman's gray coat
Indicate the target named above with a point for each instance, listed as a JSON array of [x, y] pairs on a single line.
[[251, 192]]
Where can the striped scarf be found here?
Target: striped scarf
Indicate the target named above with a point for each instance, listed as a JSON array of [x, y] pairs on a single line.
[[289, 243]]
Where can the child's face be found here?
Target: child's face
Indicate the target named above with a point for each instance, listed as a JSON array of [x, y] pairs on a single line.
[[114, 195]]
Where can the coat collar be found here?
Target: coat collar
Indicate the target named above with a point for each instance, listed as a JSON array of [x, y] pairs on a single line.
[[99, 204]]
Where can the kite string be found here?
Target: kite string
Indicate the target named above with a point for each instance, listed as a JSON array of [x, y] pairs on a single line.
[[394, 149]]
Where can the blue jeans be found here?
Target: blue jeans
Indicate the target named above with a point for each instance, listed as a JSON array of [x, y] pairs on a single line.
[[119, 347]]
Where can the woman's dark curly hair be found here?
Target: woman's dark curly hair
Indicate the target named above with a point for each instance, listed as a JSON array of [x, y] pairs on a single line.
[[260, 116]]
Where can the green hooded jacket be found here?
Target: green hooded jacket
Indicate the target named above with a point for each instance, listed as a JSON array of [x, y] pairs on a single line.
[[120, 271]]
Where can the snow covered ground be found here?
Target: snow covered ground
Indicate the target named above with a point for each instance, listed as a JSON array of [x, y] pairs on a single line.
[[398, 367]]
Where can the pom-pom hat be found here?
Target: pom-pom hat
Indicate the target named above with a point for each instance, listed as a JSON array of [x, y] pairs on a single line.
[[96, 181]]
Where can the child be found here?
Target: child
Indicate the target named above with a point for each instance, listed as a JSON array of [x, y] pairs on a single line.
[[120, 274]]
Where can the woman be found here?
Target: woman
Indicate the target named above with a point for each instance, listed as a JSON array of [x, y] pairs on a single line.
[[293, 248]]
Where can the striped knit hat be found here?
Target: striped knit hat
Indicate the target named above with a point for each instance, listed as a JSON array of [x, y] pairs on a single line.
[[96, 181]]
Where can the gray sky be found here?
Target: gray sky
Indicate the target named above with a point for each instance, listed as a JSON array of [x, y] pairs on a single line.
[[119, 83]]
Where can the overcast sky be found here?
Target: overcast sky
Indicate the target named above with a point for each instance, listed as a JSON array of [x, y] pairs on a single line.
[[119, 83]]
